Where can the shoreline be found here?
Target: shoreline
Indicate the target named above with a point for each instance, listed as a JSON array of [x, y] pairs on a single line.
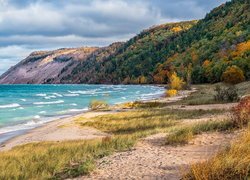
[[66, 129], [9, 135]]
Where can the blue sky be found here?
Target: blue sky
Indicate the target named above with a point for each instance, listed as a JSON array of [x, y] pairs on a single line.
[[30, 25]]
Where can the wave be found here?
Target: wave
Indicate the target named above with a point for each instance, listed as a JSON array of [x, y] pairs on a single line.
[[51, 102], [41, 95], [83, 92], [73, 110], [77, 110], [71, 95], [9, 106], [42, 112], [50, 97], [30, 124], [57, 94], [24, 100]]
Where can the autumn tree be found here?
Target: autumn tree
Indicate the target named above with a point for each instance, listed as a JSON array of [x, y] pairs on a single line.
[[233, 75]]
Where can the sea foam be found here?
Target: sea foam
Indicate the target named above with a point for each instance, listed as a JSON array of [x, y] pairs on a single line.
[[51, 102], [9, 106]]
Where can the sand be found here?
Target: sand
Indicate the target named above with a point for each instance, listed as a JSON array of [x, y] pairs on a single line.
[[58, 130], [151, 159]]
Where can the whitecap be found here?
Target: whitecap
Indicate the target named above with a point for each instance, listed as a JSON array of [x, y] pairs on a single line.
[[51, 102], [41, 95], [23, 100], [57, 94], [37, 117], [49, 97], [73, 104], [9, 106], [42, 112], [71, 95], [83, 92]]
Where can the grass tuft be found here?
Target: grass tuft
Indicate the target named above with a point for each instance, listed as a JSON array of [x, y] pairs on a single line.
[[184, 134], [231, 163]]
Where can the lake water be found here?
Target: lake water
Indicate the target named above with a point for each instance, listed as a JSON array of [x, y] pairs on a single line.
[[23, 107]]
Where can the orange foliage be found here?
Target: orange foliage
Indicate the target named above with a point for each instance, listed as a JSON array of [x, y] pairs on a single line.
[[241, 48], [176, 29], [206, 63], [233, 75]]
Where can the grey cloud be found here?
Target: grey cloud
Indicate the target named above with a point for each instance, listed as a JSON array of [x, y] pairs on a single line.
[[28, 25]]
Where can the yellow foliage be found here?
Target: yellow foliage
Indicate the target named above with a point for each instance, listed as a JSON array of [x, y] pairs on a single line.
[[176, 29], [171, 93], [233, 75], [142, 80], [175, 82]]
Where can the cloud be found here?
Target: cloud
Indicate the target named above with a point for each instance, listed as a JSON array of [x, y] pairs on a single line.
[[27, 25]]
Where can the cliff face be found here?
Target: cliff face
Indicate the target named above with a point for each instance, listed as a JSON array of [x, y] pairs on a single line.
[[46, 66]]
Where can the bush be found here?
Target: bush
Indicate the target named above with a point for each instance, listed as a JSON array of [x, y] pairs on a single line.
[[171, 93], [233, 75], [98, 105], [241, 113], [175, 82], [229, 94]]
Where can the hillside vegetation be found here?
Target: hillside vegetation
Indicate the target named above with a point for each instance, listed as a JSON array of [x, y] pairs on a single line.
[[204, 51], [206, 48]]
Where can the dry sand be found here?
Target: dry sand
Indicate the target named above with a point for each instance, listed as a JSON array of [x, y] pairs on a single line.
[[151, 159]]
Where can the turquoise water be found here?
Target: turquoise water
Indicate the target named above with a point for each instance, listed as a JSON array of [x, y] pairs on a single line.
[[23, 107]]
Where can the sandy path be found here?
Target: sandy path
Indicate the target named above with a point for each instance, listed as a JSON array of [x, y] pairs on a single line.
[[150, 159], [59, 130]]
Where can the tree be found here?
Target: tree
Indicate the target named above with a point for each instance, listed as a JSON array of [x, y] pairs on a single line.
[[175, 82], [233, 75]]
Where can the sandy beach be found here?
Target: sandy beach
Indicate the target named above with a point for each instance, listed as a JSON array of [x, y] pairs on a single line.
[[58, 130]]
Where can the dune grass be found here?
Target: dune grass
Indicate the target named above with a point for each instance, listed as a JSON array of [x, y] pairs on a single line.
[[51, 160], [205, 94], [60, 160], [232, 163], [183, 134], [142, 120]]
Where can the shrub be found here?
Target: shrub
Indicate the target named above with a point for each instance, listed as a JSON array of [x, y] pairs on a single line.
[[175, 82], [241, 113], [231, 163], [98, 105], [171, 93], [229, 94], [233, 75]]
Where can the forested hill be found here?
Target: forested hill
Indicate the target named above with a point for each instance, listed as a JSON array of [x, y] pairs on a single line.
[[205, 48], [136, 58]]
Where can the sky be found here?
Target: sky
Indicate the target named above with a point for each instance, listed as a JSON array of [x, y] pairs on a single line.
[[31, 25]]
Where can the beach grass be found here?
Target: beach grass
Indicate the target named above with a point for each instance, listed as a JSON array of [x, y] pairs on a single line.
[[183, 134], [51, 160], [60, 160], [142, 120], [231, 163]]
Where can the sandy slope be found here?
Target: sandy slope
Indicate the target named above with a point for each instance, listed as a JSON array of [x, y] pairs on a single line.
[[151, 159]]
